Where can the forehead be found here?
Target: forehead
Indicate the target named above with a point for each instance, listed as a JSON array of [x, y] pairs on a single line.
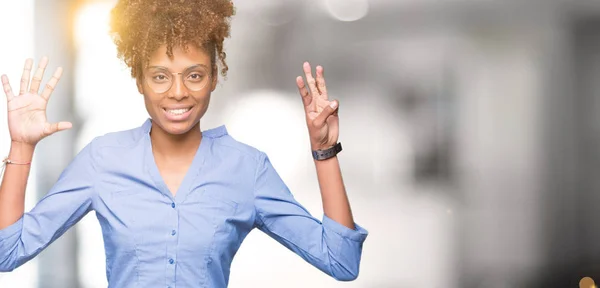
[[182, 58]]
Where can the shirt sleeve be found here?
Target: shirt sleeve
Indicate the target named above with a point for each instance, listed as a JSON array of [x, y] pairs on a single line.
[[65, 204], [331, 247]]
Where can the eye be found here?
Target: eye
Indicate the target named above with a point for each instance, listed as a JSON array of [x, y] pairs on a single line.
[[195, 76], [160, 78]]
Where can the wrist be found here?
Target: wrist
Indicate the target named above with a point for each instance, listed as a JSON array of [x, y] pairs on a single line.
[[21, 152], [315, 147], [325, 161], [327, 152]]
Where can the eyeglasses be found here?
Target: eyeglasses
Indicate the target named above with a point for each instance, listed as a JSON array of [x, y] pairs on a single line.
[[160, 80]]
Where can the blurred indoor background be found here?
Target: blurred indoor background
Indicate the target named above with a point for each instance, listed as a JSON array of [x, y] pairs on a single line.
[[471, 132]]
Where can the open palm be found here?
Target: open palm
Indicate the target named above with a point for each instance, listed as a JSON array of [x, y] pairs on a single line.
[[27, 122]]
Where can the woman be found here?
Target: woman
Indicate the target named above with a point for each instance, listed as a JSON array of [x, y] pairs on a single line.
[[174, 203]]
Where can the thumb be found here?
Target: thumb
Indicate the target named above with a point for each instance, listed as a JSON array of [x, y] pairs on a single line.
[[327, 111], [50, 129]]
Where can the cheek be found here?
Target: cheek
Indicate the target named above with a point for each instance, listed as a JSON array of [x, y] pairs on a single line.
[[202, 97], [202, 100], [151, 102]]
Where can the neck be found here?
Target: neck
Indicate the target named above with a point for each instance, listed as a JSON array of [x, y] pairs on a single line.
[[182, 145]]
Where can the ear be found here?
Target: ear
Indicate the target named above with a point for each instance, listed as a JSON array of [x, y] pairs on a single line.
[[139, 85], [214, 79]]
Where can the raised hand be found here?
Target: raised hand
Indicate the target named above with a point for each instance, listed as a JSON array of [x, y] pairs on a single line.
[[27, 122], [321, 113]]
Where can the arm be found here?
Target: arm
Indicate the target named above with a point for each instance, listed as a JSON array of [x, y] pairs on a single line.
[[27, 125], [12, 204], [22, 236], [331, 247], [334, 245], [66, 203], [333, 193], [323, 127]]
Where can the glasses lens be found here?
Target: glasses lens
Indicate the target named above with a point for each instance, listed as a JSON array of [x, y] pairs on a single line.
[[159, 80], [196, 78]]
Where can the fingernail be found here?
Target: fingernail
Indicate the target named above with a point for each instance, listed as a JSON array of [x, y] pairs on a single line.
[[333, 104]]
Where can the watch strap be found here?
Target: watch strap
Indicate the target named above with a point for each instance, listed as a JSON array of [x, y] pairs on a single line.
[[327, 153]]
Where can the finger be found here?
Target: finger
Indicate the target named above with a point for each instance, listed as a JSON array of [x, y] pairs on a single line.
[[337, 110], [327, 111], [306, 98], [321, 82], [310, 79], [25, 76], [51, 85], [50, 129], [7, 89], [37, 77]]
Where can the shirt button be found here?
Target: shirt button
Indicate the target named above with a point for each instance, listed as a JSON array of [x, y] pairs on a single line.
[[171, 261], [173, 232], [173, 204]]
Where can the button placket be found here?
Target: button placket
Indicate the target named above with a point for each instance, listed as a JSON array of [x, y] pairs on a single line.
[[171, 255]]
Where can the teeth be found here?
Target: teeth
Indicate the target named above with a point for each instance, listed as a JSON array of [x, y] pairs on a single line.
[[177, 111]]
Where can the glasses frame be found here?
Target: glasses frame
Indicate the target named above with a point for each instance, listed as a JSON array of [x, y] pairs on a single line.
[[180, 76]]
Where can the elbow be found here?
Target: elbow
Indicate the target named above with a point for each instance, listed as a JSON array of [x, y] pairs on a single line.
[[11, 247], [10, 259], [7, 264], [4, 269], [347, 277], [344, 274], [345, 266]]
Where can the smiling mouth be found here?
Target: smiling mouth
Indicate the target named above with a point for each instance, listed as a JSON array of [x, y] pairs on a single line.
[[180, 111]]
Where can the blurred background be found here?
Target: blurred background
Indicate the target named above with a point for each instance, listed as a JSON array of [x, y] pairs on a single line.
[[471, 132]]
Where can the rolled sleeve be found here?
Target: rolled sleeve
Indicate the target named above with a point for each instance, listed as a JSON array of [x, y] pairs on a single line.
[[10, 231], [346, 246], [359, 234], [9, 237]]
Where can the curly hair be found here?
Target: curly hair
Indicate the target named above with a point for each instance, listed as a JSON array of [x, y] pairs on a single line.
[[139, 27]]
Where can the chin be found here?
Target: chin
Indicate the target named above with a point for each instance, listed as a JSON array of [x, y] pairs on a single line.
[[177, 124], [172, 127], [177, 128]]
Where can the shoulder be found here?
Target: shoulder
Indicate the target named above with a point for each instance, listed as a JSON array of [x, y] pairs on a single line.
[[225, 145], [123, 140]]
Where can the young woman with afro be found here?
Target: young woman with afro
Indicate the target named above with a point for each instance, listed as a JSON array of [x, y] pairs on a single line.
[[174, 202]]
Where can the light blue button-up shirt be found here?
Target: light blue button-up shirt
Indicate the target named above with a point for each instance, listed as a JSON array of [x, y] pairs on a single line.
[[155, 239]]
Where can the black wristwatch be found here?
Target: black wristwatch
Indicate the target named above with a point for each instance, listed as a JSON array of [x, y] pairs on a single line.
[[327, 153]]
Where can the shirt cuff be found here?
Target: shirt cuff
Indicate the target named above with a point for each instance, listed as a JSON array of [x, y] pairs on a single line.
[[359, 234], [12, 229]]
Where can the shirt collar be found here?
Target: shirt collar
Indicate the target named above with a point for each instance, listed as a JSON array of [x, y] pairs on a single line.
[[210, 133], [215, 132]]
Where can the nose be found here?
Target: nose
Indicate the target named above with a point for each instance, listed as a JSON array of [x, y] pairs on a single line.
[[178, 90]]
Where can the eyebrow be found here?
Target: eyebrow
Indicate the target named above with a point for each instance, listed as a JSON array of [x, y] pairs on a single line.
[[188, 68]]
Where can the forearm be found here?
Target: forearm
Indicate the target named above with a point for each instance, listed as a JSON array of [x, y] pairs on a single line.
[[14, 182], [335, 201]]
